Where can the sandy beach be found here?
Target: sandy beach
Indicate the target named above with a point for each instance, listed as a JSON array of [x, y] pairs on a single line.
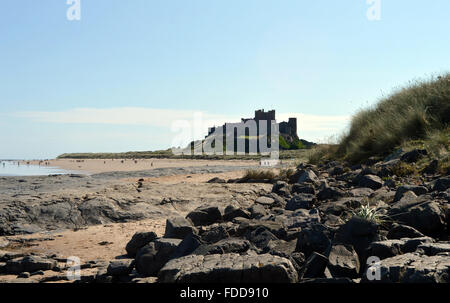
[[94, 166]]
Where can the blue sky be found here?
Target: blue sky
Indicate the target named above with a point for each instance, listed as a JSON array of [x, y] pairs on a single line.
[[112, 80]]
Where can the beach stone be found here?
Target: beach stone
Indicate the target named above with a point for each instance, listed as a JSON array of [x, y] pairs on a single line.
[[415, 268], [399, 231], [230, 245], [178, 228], [229, 268], [152, 257], [29, 264], [432, 249], [370, 181], [418, 190], [266, 201], [422, 213], [413, 156], [314, 238], [120, 267], [343, 261], [233, 211], [298, 201], [139, 239], [214, 234], [303, 189], [330, 193], [442, 184], [314, 266], [257, 211], [205, 216], [307, 176]]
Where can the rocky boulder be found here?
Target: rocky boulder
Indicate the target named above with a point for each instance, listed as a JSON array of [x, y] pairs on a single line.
[[152, 257], [178, 228], [139, 239], [205, 215], [229, 268]]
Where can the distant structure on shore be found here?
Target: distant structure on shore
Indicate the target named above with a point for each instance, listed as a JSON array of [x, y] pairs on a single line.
[[287, 128], [288, 138]]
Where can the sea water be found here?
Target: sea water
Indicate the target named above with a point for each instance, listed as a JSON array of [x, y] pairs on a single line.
[[16, 168]]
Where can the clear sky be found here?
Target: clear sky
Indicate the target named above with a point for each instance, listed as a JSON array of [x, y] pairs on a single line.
[[116, 79]]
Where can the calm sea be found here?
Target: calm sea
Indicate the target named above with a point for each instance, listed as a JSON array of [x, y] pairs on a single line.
[[11, 168]]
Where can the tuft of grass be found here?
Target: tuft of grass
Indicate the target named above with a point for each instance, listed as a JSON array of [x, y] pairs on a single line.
[[286, 174], [369, 213], [259, 174], [402, 169], [321, 153], [419, 111]]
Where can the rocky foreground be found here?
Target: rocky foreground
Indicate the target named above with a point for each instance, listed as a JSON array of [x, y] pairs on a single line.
[[329, 223]]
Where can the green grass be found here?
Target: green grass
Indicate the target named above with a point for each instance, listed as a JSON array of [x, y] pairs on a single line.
[[267, 174], [370, 214], [413, 116]]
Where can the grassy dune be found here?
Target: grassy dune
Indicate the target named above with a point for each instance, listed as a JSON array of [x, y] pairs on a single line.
[[417, 115]]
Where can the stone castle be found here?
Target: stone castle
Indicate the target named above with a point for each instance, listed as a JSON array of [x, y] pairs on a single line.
[[286, 128]]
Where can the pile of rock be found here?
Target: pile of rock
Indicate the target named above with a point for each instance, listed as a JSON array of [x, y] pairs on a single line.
[[309, 230]]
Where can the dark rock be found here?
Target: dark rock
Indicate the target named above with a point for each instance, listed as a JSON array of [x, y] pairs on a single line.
[[431, 168], [359, 233], [386, 249], [257, 211], [152, 257], [314, 266], [276, 228], [230, 245], [205, 216], [360, 192], [399, 231], [280, 248], [307, 176], [24, 275], [343, 261], [216, 180], [120, 267], [418, 190], [330, 193], [303, 189], [420, 213], [229, 268], [139, 239], [187, 246], [179, 228], [298, 201], [261, 237], [314, 238], [442, 184], [415, 268], [413, 156], [281, 188], [29, 264], [411, 245], [432, 249], [214, 234], [232, 212], [300, 218], [370, 181]]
